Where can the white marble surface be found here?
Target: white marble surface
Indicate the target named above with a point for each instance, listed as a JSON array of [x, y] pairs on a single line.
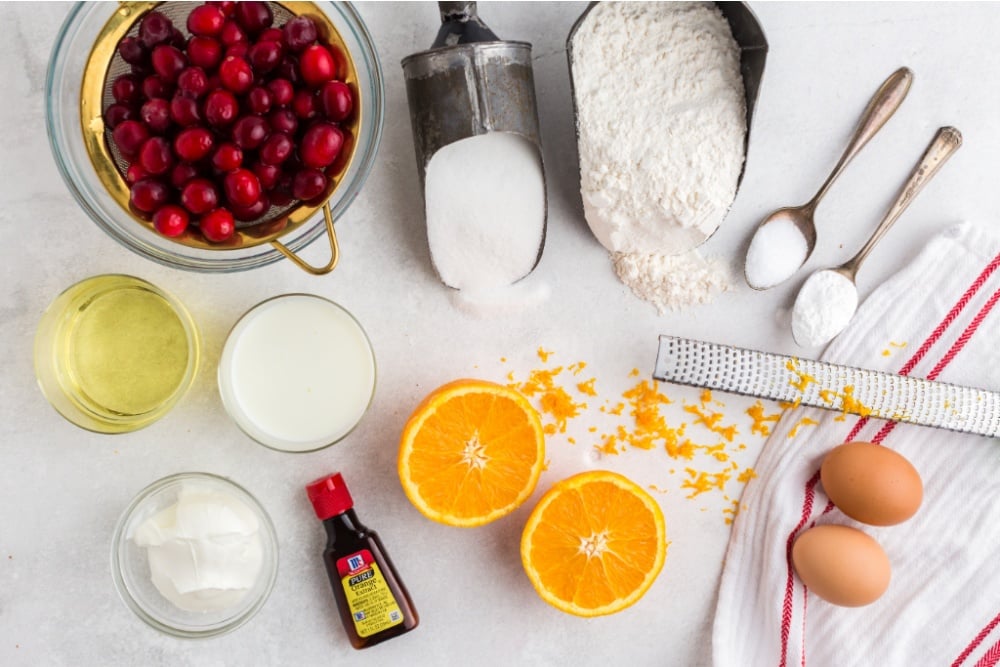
[[62, 489]]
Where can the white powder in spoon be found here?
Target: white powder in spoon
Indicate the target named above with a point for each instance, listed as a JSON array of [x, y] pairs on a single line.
[[777, 250], [485, 205], [824, 307]]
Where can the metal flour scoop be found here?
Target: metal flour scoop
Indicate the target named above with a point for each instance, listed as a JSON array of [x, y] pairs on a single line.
[[470, 82]]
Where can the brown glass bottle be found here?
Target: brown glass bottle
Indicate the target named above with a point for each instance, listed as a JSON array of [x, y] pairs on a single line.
[[372, 600]]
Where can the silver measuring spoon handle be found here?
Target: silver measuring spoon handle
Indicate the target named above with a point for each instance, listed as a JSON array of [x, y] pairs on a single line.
[[880, 109], [945, 143]]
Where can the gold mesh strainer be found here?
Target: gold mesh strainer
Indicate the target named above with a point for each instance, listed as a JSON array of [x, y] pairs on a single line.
[[104, 65]]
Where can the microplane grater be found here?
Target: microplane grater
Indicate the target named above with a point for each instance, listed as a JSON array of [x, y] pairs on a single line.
[[828, 386]]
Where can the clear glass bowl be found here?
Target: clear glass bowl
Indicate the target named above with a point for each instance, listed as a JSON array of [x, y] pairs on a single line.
[[72, 47], [130, 563]]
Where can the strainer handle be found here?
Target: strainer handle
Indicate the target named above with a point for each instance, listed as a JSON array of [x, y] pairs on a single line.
[[334, 249]]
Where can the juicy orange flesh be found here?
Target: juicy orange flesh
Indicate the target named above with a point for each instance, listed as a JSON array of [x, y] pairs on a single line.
[[616, 567], [472, 455]]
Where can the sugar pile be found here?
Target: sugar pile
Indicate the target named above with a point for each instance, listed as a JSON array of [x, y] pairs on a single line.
[[777, 250], [823, 308]]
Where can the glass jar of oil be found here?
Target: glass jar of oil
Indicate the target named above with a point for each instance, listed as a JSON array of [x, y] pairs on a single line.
[[114, 353]]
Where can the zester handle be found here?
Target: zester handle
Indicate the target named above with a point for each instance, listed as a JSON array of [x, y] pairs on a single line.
[[819, 384]]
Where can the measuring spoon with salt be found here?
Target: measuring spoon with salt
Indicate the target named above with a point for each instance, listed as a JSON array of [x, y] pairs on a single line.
[[828, 299], [784, 240]]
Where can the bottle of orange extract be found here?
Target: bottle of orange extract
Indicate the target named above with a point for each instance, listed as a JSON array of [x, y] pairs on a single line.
[[371, 598]]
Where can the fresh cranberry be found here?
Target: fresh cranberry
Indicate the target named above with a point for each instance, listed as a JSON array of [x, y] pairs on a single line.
[[281, 198], [199, 196], [132, 51], [259, 100], [236, 74], [155, 156], [267, 174], [205, 21], [254, 17], [135, 173], [156, 114], [155, 28], [204, 52], [154, 86], [227, 157], [129, 136], [276, 149], [116, 114], [232, 33], [283, 120], [249, 132], [182, 173], [321, 145], [168, 61], [300, 32], [289, 69], [221, 108], [308, 184], [242, 187], [170, 220], [193, 144], [265, 56], [337, 100], [217, 225], [252, 212], [316, 65], [126, 89], [304, 104], [272, 35], [177, 39], [281, 91], [237, 50], [227, 7], [184, 110], [148, 194], [193, 81]]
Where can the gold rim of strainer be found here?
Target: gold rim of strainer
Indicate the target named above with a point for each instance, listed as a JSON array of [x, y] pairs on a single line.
[[94, 137]]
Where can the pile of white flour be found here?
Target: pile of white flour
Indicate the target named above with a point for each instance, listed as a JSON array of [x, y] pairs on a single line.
[[662, 119]]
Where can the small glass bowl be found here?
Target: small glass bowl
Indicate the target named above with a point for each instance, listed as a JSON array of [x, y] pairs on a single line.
[[69, 59], [130, 564]]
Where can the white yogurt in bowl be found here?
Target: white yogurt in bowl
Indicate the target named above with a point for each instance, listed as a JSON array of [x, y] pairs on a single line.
[[297, 373]]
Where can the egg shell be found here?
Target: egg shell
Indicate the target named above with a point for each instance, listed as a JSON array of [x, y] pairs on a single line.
[[842, 565], [871, 483]]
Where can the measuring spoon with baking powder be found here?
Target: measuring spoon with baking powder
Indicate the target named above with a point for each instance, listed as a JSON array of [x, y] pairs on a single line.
[[829, 298], [794, 227]]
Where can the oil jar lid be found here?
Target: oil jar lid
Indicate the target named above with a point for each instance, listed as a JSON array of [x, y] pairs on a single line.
[[329, 496]]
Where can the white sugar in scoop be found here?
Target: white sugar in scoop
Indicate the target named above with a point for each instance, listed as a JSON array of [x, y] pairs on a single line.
[[823, 308], [777, 250]]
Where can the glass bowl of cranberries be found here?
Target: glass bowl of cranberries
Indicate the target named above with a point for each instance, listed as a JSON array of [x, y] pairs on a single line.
[[211, 136]]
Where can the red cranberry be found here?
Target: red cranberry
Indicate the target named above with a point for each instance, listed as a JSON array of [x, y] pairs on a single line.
[[272, 35], [156, 114], [193, 144], [217, 225], [129, 136], [199, 196], [154, 29], [204, 52], [168, 61], [236, 74], [265, 56], [254, 17], [237, 50], [242, 187], [267, 174], [193, 81], [148, 195], [154, 86], [289, 69], [170, 220], [321, 145], [232, 33], [227, 7], [155, 156], [304, 104], [135, 173], [252, 212], [227, 157], [125, 89], [308, 184], [316, 65], [184, 110], [132, 51], [276, 150], [116, 114], [182, 173], [281, 91], [221, 108], [283, 120], [205, 21], [249, 132], [259, 100], [177, 39], [337, 100], [300, 32]]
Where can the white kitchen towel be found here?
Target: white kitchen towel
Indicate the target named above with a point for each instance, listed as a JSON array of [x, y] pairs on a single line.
[[934, 319]]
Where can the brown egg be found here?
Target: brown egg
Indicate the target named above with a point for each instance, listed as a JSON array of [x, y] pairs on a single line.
[[842, 565], [872, 484]]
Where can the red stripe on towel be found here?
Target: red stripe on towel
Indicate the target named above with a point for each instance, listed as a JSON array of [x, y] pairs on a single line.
[[976, 641], [991, 657]]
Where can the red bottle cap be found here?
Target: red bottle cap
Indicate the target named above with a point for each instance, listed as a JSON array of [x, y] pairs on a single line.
[[329, 496]]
